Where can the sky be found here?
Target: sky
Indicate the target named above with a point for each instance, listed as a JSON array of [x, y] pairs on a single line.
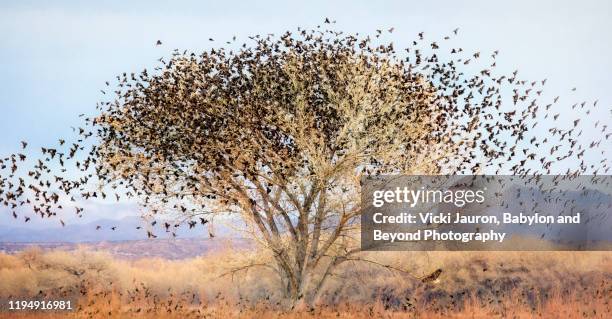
[[56, 55]]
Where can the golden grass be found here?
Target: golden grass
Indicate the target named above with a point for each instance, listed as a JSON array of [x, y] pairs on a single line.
[[177, 307], [473, 285]]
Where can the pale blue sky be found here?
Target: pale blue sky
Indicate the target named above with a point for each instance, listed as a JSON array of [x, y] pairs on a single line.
[[56, 55]]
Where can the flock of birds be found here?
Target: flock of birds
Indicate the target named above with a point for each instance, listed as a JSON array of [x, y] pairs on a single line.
[[168, 133]]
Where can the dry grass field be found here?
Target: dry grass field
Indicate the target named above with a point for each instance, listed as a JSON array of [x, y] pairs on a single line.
[[472, 285]]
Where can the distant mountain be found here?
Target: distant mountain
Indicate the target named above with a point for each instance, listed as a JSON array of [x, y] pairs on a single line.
[[593, 205], [134, 249], [89, 232]]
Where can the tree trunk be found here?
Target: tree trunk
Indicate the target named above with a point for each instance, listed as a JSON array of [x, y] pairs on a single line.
[[304, 296]]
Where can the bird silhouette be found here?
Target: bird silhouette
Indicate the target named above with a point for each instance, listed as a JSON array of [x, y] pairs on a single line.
[[433, 277]]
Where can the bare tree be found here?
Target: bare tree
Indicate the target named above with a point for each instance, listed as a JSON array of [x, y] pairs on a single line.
[[282, 134]]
